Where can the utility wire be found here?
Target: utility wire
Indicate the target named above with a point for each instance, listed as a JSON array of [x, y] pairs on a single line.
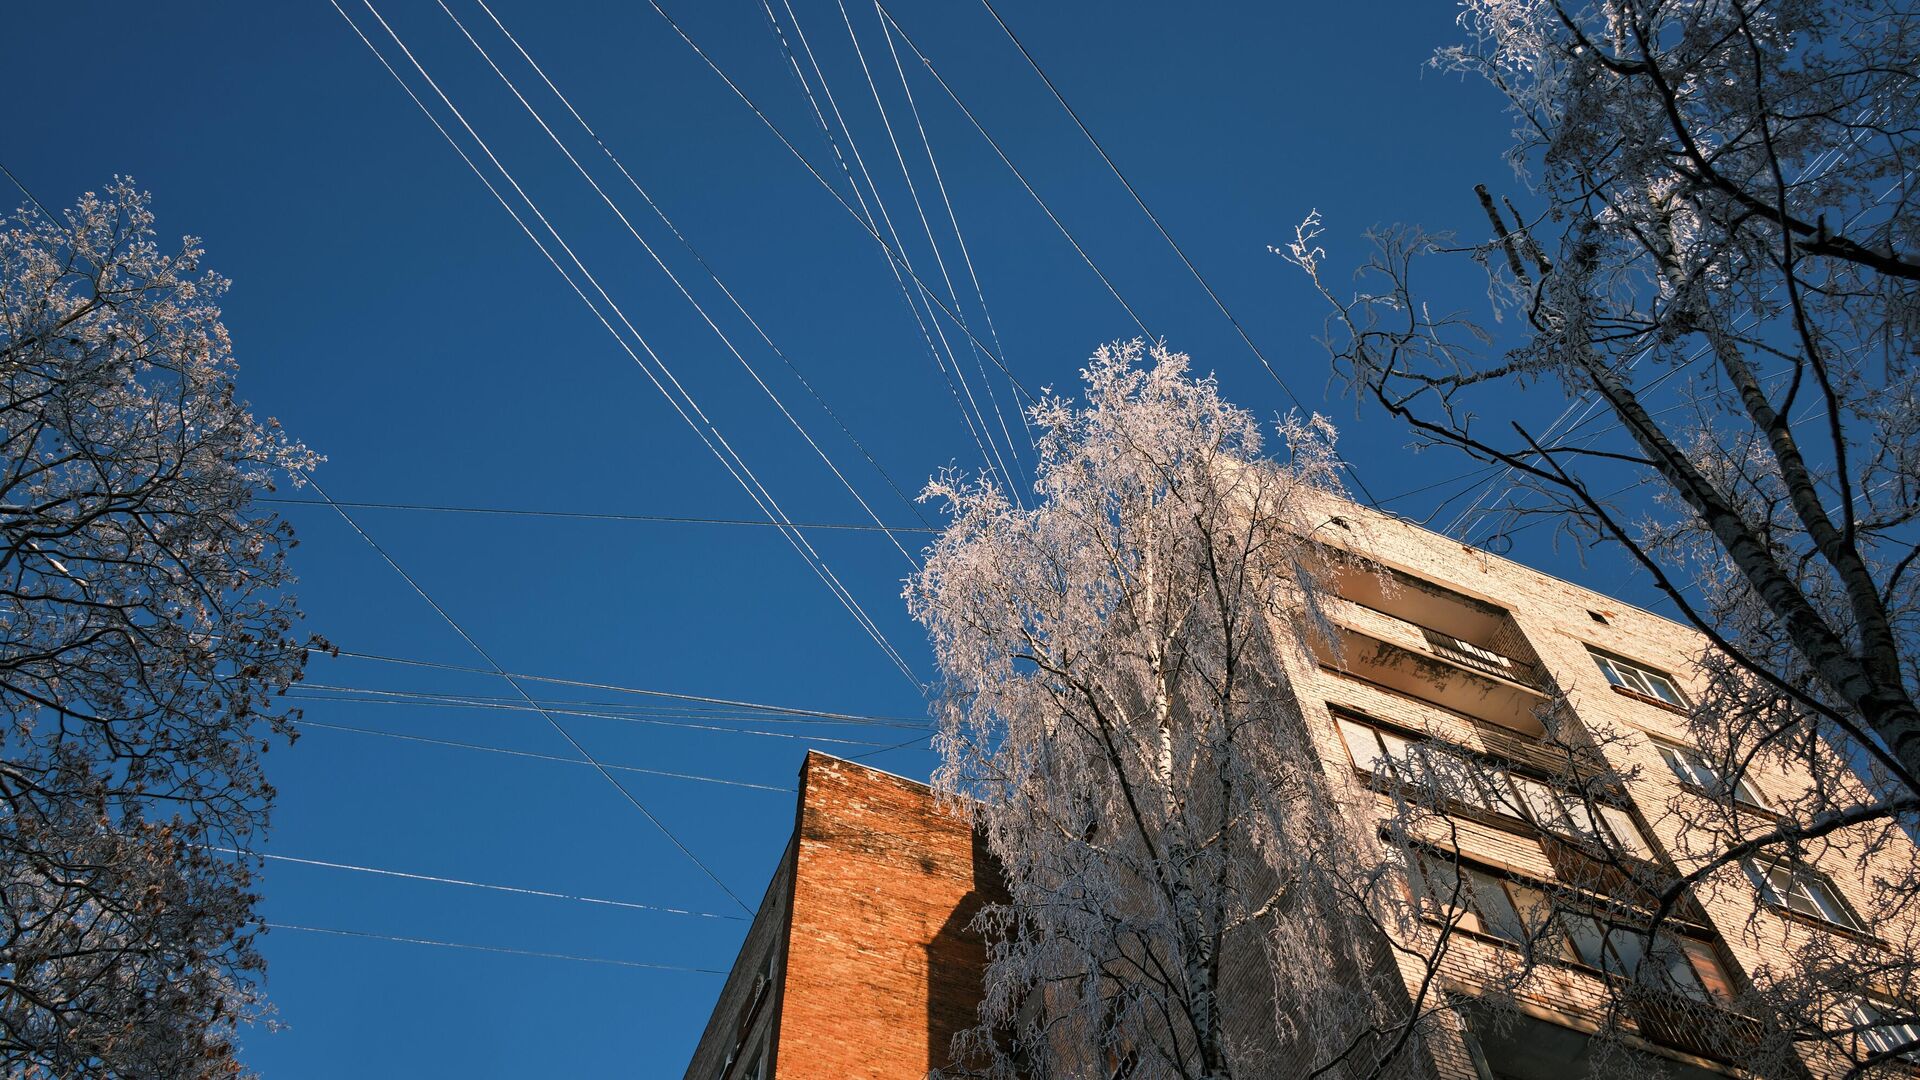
[[478, 649], [1015, 169], [305, 723], [711, 273], [703, 427], [616, 688], [933, 244], [674, 278], [748, 101], [959, 237], [438, 880], [1162, 229], [428, 701], [491, 948], [596, 516], [31, 197], [671, 710], [928, 334]]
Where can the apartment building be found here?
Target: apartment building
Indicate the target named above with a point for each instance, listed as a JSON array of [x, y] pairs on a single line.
[[860, 964]]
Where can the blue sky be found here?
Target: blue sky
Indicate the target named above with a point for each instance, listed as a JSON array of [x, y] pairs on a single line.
[[389, 313]]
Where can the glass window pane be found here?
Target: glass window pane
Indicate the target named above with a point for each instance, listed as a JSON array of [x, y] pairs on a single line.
[[1578, 818], [1746, 794], [1536, 918], [1541, 803], [1671, 969], [1662, 688], [1608, 669], [1398, 750], [1706, 966], [1497, 915], [1827, 905], [1626, 833], [1585, 934], [1361, 743], [1626, 949]]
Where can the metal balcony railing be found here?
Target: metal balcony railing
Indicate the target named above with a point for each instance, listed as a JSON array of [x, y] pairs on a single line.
[[1481, 658]]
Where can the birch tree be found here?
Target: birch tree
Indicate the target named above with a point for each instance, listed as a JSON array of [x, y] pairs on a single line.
[[1118, 717], [145, 636], [1712, 251]]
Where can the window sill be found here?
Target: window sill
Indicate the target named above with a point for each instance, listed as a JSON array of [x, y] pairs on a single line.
[[1733, 800], [1650, 700], [1837, 929]]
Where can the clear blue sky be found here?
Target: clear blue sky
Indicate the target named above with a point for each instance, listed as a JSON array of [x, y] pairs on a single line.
[[389, 313]]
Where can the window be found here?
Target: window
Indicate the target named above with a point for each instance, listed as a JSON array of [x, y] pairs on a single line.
[[1478, 785], [1374, 751], [1570, 814], [1885, 1030], [1693, 769], [1662, 962], [1799, 889], [1643, 681], [1500, 907], [1480, 901]]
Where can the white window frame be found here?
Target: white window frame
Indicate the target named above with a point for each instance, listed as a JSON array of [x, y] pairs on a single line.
[[1805, 892], [1639, 679], [1880, 1035], [1499, 791], [1693, 769]]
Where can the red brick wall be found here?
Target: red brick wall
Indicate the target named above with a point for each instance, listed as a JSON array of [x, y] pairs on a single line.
[[880, 971]]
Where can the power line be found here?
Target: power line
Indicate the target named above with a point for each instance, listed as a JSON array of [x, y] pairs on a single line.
[[671, 276], [438, 880], [959, 237], [670, 710], [939, 260], [704, 427], [1015, 169], [492, 949], [31, 197], [748, 101], [699, 258], [570, 515], [475, 645], [530, 754], [895, 265], [614, 687], [448, 702], [1162, 229]]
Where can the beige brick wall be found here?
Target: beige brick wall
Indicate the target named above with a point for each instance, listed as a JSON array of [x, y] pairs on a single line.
[[1553, 618]]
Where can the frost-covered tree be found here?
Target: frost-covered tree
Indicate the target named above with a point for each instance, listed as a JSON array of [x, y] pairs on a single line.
[[1119, 719], [145, 636], [1715, 253]]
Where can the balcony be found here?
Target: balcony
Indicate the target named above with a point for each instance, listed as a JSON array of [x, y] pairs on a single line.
[[1436, 666]]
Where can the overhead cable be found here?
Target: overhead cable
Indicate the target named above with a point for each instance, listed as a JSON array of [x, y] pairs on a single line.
[[683, 404], [321, 725], [698, 307], [711, 273], [760, 114], [615, 687], [604, 516], [931, 332], [492, 949], [438, 880]]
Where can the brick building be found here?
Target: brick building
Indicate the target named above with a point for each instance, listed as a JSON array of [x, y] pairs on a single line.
[[859, 964]]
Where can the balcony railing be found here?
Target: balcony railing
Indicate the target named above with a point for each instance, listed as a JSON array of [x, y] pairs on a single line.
[[1481, 658], [1413, 636]]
